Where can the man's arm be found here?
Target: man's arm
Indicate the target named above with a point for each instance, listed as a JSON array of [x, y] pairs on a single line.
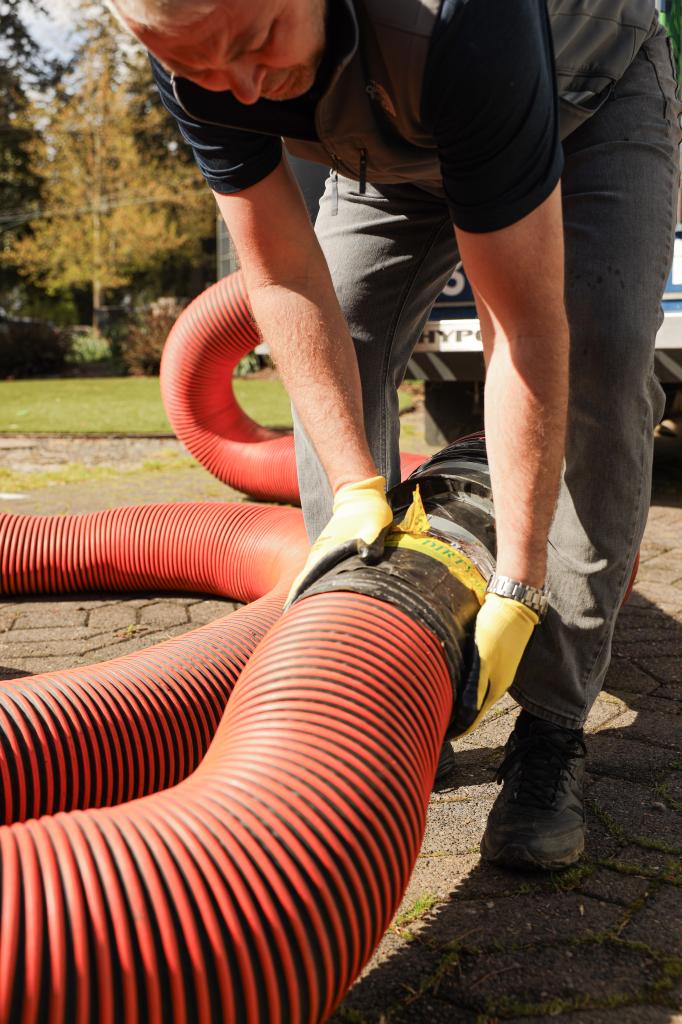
[[518, 278], [298, 314]]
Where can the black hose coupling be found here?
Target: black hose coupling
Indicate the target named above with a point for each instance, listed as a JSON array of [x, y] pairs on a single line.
[[428, 593]]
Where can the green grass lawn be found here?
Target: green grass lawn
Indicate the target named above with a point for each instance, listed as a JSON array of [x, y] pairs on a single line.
[[121, 405]]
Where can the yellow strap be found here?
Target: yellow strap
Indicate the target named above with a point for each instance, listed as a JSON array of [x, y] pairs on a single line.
[[413, 534]]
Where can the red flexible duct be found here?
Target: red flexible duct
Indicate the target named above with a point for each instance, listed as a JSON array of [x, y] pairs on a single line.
[[105, 733], [206, 343], [256, 889]]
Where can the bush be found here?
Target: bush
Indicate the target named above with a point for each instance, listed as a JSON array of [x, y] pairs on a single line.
[[30, 348], [142, 347], [88, 346], [248, 364]]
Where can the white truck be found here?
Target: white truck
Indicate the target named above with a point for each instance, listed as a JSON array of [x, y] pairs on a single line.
[[449, 354]]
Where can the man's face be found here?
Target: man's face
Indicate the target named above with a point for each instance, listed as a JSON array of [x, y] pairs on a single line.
[[256, 49]]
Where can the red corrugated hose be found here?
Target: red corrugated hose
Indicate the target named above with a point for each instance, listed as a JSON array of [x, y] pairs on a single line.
[[209, 338], [172, 857], [164, 861]]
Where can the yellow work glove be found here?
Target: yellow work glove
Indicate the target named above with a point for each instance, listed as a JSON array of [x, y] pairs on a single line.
[[503, 629], [360, 520]]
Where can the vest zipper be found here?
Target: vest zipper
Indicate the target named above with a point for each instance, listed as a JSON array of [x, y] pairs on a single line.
[[363, 172], [335, 184]]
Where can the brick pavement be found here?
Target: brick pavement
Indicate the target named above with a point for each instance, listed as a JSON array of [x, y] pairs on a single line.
[[598, 944]]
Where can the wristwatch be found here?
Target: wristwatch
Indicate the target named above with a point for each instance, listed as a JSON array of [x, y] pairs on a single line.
[[533, 597]]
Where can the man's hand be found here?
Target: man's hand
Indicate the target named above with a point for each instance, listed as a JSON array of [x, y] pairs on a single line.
[[503, 629], [359, 522]]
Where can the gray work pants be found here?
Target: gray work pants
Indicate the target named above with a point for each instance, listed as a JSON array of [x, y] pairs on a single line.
[[390, 252]]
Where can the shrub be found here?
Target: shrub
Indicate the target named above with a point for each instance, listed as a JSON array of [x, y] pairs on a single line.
[[29, 348], [142, 347], [249, 363], [88, 346]]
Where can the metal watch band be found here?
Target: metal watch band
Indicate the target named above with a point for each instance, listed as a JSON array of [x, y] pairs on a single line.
[[533, 597]]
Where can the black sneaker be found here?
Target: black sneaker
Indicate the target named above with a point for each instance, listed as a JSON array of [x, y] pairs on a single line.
[[446, 769], [538, 820]]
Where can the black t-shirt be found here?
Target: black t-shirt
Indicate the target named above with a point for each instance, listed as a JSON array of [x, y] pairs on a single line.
[[488, 99]]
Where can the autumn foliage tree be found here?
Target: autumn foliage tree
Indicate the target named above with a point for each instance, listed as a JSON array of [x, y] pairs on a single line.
[[109, 207]]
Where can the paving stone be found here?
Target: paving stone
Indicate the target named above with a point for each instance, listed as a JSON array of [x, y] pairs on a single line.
[[660, 595], [7, 618], [674, 999], [642, 615], [477, 790], [468, 877], [38, 635], [437, 876], [455, 828], [604, 712], [614, 887], [202, 612], [37, 666], [624, 676], [622, 1015], [49, 649], [648, 862], [649, 548], [625, 758], [10, 673], [163, 614], [673, 787], [635, 810], [667, 702], [91, 496], [119, 649], [664, 630], [476, 765], [659, 922], [517, 921], [433, 1010], [392, 976], [643, 649], [113, 616], [492, 734], [17, 443], [62, 613], [666, 670], [666, 567], [510, 984], [644, 725]]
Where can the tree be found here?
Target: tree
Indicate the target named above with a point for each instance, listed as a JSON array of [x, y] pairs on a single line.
[[106, 206], [22, 68]]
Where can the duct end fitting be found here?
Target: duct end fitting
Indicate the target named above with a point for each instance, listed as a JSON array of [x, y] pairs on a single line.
[[426, 590]]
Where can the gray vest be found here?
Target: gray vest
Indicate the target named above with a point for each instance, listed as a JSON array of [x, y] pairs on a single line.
[[368, 122]]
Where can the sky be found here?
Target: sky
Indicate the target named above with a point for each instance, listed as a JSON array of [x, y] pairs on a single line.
[[55, 33]]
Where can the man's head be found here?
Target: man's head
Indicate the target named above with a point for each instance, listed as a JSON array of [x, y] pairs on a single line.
[[253, 48]]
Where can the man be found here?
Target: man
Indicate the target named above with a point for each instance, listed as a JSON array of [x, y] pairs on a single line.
[[441, 122]]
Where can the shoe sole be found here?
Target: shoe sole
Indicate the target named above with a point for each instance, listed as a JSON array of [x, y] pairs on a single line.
[[515, 855]]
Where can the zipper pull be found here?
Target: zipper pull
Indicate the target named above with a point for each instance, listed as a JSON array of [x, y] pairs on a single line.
[[363, 172], [334, 174]]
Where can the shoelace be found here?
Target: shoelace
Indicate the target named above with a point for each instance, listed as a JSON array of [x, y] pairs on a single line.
[[545, 757]]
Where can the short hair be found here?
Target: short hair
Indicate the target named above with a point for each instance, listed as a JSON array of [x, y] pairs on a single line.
[[162, 14]]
